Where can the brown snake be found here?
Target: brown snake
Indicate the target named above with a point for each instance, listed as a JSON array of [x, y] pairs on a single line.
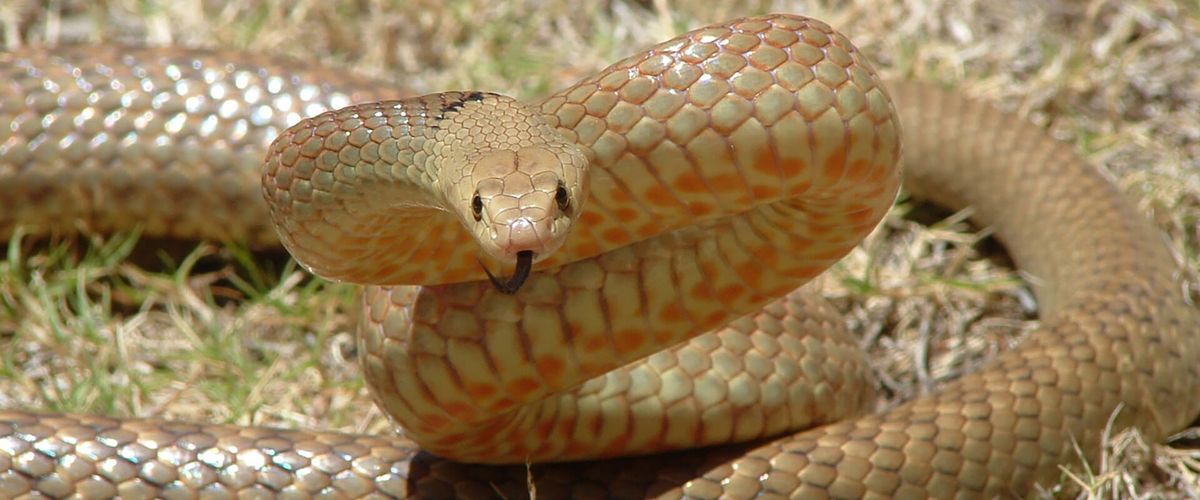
[[684, 187]]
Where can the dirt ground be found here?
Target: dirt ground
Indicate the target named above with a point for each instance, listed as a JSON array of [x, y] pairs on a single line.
[[263, 345]]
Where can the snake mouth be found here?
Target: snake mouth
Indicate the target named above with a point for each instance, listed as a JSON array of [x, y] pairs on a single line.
[[520, 274]]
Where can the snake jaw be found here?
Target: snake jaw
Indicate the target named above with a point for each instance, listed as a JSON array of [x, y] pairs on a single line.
[[520, 274]]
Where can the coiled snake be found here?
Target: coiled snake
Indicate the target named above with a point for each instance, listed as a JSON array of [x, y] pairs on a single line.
[[690, 186]]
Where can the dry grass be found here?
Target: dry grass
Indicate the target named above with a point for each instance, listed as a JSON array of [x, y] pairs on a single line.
[[253, 345]]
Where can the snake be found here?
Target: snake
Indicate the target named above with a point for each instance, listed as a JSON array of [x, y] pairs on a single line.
[[659, 219]]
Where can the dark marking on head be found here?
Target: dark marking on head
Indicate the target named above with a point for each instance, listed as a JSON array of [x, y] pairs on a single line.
[[457, 104]]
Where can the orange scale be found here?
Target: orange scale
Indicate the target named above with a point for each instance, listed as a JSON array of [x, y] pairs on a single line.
[[659, 195], [726, 182], [716, 318], [591, 218], [615, 236], [553, 261], [480, 437], [522, 388], [544, 429], [765, 162], [835, 165], [551, 368], [799, 188], [767, 256], [423, 254], [594, 343], [480, 391], [417, 276], [467, 260], [450, 440], [672, 313], [689, 182], [503, 405], [648, 230], [588, 247], [792, 167], [460, 411], [805, 271], [702, 291], [628, 341], [729, 293], [751, 272], [821, 229], [625, 214], [664, 338], [433, 423], [617, 446], [764, 192], [701, 208], [860, 214], [391, 268], [565, 425], [592, 369]]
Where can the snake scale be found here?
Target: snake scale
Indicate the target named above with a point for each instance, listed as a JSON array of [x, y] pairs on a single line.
[[690, 187]]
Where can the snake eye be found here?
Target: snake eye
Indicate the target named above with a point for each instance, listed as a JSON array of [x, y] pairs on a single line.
[[477, 206], [562, 197]]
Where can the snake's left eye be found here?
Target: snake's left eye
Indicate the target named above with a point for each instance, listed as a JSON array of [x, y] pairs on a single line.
[[477, 207], [562, 197]]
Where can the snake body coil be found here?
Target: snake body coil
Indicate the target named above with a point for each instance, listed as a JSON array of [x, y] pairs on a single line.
[[691, 187]]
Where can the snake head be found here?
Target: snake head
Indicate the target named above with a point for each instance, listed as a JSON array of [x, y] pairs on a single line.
[[525, 201]]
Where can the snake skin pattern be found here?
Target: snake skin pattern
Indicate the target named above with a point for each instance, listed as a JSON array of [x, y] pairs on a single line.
[[726, 167]]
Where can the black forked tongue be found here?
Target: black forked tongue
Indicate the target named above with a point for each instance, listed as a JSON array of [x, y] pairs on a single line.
[[520, 274]]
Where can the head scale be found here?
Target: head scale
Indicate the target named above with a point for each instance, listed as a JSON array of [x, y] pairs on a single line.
[[520, 185]]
